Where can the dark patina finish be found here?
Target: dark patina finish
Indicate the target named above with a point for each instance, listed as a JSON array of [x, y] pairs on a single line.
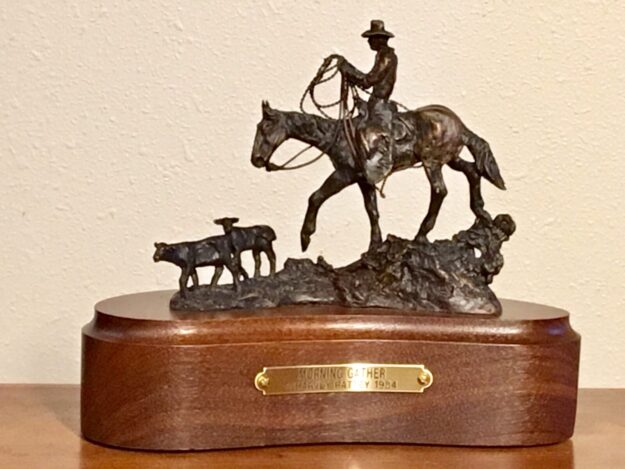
[[432, 135], [213, 251], [367, 142], [258, 239], [446, 276], [373, 137]]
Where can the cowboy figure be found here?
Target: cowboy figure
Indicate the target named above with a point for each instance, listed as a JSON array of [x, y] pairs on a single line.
[[375, 132]]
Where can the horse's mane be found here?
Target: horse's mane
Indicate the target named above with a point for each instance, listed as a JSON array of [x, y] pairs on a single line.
[[310, 124]]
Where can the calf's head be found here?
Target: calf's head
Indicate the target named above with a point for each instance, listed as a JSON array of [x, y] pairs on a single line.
[[161, 252]]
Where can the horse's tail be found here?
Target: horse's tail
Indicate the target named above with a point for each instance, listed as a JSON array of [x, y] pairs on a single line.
[[484, 158]]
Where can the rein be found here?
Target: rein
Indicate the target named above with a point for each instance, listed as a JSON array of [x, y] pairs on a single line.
[[284, 166]]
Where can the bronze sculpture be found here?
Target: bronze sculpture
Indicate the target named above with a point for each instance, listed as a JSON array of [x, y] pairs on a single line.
[[367, 143], [385, 141]]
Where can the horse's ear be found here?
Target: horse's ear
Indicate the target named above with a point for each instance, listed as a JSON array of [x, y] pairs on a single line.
[[155, 245], [266, 108]]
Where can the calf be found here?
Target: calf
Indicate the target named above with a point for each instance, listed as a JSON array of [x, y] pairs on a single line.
[[258, 238], [214, 251]]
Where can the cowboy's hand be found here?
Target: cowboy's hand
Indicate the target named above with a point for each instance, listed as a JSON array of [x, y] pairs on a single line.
[[339, 59]]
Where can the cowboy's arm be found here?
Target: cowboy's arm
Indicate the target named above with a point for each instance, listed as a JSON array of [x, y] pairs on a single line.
[[352, 74], [369, 79]]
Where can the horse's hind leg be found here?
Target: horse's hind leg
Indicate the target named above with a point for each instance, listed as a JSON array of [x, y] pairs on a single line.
[[438, 191], [475, 192], [336, 182]]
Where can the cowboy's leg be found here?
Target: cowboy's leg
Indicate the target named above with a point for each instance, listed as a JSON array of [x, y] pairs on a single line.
[[371, 205], [379, 159], [438, 191], [475, 194], [336, 182]]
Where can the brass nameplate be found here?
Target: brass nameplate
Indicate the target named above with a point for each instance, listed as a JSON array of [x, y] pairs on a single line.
[[348, 377]]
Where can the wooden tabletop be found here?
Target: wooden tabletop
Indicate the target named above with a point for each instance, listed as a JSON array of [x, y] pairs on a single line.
[[39, 428]]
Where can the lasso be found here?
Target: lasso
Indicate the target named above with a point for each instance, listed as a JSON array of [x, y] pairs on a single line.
[[344, 121], [320, 77]]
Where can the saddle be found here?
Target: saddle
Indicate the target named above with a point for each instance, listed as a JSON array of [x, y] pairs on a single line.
[[402, 128]]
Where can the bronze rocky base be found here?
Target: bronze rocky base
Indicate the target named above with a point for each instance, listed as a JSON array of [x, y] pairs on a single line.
[[446, 276]]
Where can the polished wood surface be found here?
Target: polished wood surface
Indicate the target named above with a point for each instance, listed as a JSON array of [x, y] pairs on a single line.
[[39, 428], [164, 382], [146, 318]]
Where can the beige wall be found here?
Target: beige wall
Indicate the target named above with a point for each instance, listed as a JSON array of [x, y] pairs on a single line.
[[123, 123]]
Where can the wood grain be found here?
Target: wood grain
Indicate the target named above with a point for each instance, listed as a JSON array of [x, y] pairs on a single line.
[[153, 379], [39, 428]]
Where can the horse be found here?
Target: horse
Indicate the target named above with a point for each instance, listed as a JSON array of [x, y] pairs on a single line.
[[432, 135]]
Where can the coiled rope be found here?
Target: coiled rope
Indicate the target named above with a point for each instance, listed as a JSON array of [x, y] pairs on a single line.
[[326, 72]]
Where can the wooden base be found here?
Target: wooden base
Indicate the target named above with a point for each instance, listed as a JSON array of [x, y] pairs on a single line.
[[157, 379]]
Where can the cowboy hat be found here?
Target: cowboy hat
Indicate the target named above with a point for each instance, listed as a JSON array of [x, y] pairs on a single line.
[[377, 29]]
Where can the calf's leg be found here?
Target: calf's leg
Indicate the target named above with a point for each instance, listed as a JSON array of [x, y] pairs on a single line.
[[196, 282], [217, 275], [256, 254], [182, 282], [272, 260], [235, 270], [242, 271]]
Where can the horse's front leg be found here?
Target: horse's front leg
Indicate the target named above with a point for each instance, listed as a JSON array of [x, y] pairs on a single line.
[[336, 182], [371, 205]]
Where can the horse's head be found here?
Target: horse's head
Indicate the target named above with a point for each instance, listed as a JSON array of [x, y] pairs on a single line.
[[271, 132]]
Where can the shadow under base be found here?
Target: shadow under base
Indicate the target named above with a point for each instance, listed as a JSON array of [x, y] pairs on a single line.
[[444, 276]]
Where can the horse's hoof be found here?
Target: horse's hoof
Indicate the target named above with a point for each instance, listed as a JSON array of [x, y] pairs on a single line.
[[305, 239], [421, 239]]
